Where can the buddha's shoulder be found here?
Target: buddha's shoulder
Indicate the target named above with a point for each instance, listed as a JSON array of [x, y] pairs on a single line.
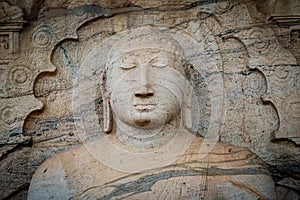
[[219, 152], [229, 149], [235, 155], [66, 162]]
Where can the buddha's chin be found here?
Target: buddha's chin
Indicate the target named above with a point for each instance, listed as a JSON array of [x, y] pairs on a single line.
[[148, 120], [142, 122]]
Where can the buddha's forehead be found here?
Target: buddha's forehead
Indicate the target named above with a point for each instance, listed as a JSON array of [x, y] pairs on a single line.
[[143, 54], [146, 37]]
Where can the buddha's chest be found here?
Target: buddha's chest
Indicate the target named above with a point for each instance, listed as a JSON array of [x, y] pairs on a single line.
[[163, 184]]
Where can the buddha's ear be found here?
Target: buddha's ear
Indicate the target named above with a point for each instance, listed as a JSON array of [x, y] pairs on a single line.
[[190, 105], [186, 109], [107, 112]]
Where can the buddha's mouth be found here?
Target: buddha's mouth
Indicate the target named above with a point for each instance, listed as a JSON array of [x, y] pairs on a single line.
[[145, 107]]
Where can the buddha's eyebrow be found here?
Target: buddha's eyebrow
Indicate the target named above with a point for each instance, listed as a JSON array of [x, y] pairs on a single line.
[[154, 50], [160, 57]]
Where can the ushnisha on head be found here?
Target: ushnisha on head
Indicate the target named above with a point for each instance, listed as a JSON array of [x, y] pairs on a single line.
[[144, 83]]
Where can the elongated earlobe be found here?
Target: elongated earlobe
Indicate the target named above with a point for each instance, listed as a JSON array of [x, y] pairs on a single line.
[[107, 115], [107, 112], [190, 109], [186, 112]]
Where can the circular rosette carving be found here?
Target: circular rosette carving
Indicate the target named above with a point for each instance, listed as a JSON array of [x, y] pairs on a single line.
[[223, 7], [8, 114], [77, 14], [283, 74], [261, 41], [255, 84], [41, 37], [20, 75]]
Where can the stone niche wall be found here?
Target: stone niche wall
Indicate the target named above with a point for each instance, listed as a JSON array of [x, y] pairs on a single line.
[[255, 45]]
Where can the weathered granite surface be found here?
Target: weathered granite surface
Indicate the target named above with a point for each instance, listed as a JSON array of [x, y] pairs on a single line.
[[254, 45]]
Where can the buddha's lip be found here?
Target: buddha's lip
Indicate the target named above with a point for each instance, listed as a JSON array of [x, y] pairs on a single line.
[[145, 104], [145, 107]]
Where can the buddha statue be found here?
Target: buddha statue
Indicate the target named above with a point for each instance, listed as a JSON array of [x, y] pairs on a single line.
[[149, 150]]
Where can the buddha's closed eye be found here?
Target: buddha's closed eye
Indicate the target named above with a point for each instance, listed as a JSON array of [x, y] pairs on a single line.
[[129, 65], [159, 62]]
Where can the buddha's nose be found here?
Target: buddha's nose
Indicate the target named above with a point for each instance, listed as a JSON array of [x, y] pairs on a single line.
[[144, 91]]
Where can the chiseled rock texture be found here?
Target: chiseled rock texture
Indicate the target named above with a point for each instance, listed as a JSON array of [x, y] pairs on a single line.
[[254, 44]]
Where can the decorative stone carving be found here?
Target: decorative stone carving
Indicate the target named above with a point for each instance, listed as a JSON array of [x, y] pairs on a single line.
[[19, 74], [286, 16], [10, 13], [281, 72], [11, 24]]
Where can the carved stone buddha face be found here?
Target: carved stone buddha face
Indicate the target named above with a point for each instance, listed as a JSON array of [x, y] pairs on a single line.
[[142, 101], [145, 85]]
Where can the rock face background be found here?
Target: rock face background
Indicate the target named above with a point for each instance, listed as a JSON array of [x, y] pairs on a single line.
[[41, 44]]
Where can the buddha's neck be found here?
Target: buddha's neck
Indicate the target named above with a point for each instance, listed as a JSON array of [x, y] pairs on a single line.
[[146, 138]]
